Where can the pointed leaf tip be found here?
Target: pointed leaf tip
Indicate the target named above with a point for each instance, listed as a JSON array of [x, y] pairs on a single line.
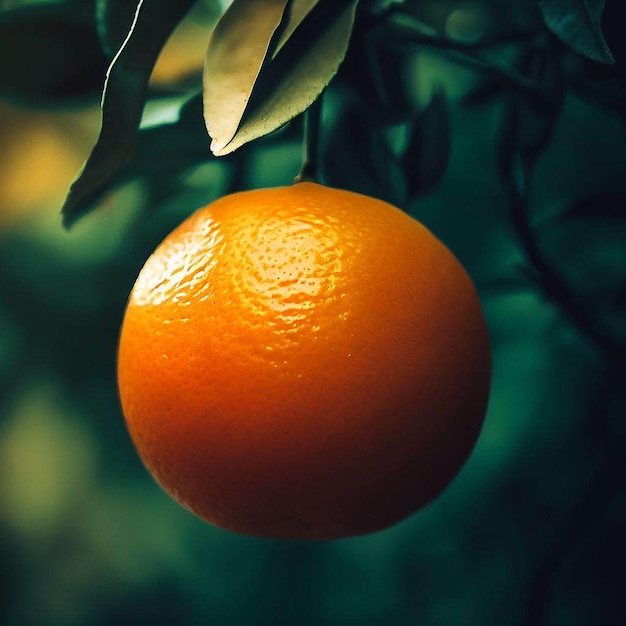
[[235, 55], [578, 24], [123, 101], [289, 62]]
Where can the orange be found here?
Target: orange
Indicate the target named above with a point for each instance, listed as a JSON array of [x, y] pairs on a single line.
[[303, 362]]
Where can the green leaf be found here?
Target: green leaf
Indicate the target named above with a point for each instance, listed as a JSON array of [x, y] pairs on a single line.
[[578, 24], [296, 11], [123, 101], [288, 81], [50, 53], [237, 48], [359, 157], [377, 72], [585, 246], [531, 117], [425, 159], [114, 19], [163, 152]]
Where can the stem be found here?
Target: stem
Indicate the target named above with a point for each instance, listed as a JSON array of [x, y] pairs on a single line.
[[310, 144], [553, 286], [406, 22], [414, 33], [238, 172], [466, 55]]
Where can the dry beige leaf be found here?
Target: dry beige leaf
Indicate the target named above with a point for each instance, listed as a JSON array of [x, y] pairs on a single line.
[[236, 52]]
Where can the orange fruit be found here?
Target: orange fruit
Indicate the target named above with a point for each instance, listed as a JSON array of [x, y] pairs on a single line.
[[303, 362]]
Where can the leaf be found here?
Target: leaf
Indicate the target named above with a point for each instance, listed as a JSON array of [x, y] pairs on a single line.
[[425, 159], [530, 118], [165, 151], [123, 101], [296, 11], [577, 23], [358, 157], [170, 148], [289, 82], [114, 19], [164, 154], [50, 53], [584, 244], [237, 48], [307, 67], [377, 71]]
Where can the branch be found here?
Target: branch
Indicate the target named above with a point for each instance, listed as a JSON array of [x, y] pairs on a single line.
[[551, 281], [397, 26], [465, 54]]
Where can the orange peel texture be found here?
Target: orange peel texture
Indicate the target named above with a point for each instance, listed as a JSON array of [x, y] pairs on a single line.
[[303, 362]]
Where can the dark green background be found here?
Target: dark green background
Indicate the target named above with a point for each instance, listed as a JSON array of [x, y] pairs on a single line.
[[533, 529]]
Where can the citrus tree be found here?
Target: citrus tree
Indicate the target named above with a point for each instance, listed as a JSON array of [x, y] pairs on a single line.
[[492, 123]]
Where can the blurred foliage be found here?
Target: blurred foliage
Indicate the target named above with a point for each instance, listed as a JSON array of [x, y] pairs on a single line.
[[476, 118]]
